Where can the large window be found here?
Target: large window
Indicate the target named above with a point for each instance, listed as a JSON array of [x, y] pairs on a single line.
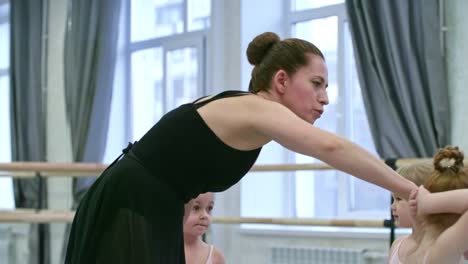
[[163, 47], [324, 193], [6, 187], [166, 57]]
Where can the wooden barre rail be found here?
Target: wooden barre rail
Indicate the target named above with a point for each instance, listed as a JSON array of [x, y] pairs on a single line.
[[299, 221], [57, 216], [49, 169], [46, 169]]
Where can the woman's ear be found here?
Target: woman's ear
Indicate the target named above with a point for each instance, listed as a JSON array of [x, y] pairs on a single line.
[[279, 81]]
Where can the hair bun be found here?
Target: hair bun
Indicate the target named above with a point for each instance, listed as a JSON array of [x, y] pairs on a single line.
[[449, 158], [258, 48]]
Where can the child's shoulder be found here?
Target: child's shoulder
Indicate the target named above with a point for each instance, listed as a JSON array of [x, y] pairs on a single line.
[[393, 254], [217, 257], [397, 242]]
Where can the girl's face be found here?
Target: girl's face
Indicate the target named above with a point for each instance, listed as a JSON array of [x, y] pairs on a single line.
[[198, 217], [401, 212], [305, 91]]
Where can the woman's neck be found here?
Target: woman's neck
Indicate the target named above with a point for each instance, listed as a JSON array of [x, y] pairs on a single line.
[[267, 95]]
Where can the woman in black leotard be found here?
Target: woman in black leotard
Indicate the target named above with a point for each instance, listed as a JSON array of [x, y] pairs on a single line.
[[134, 212]]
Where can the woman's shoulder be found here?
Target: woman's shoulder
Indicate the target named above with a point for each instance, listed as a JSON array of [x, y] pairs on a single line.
[[249, 104]]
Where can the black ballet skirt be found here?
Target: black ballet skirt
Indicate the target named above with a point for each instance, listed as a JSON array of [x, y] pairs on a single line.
[[134, 212]]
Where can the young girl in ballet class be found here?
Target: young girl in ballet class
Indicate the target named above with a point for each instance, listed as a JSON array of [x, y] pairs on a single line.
[[417, 173], [438, 211], [197, 220]]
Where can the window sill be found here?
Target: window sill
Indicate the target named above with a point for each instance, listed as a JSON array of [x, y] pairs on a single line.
[[320, 231]]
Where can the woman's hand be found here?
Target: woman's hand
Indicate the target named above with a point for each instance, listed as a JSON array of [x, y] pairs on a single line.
[[423, 194], [413, 205], [417, 201]]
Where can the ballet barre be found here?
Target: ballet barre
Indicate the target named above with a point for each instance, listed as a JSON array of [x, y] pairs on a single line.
[[43, 170], [64, 216], [48, 169]]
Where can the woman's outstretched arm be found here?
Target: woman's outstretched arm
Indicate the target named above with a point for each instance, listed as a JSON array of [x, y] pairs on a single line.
[[281, 125]]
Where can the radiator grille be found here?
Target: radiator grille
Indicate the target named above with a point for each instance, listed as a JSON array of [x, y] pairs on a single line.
[[299, 255]]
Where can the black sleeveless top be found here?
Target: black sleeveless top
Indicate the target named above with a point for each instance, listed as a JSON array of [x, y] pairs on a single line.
[[185, 152], [134, 212]]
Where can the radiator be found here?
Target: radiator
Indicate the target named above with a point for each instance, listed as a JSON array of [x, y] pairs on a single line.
[[298, 255]]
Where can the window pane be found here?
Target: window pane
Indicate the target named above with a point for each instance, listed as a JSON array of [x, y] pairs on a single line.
[[147, 96], [199, 12], [360, 131], [346, 196], [316, 194], [308, 4], [5, 154], [4, 10], [117, 133], [6, 186], [257, 198], [320, 184], [181, 77], [324, 34], [263, 202], [367, 199], [4, 45], [156, 18]]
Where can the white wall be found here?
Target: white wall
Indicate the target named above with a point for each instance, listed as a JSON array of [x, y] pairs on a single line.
[[457, 69], [58, 134]]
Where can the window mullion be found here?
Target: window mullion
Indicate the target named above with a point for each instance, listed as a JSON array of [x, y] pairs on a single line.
[[185, 14]]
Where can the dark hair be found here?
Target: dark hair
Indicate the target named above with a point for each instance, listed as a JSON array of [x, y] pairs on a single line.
[[449, 174], [269, 54]]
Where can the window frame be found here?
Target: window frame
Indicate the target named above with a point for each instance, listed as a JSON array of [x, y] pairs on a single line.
[[345, 117], [7, 201], [344, 127], [193, 39]]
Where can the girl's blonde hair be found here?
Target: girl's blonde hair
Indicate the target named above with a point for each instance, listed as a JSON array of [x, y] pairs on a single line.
[[417, 172]]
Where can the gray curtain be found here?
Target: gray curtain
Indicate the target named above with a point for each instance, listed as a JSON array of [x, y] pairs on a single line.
[[89, 60], [402, 74], [28, 111]]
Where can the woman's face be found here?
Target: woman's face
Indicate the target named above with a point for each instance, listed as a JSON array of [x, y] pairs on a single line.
[[305, 91]]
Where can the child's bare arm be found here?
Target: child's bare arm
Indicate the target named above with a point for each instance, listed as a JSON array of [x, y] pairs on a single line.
[[453, 242], [454, 201]]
